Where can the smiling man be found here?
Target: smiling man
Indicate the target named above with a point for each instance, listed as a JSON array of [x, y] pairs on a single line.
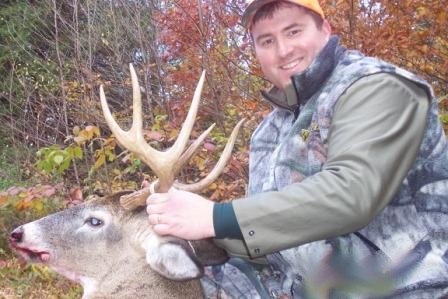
[[288, 42], [348, 176]]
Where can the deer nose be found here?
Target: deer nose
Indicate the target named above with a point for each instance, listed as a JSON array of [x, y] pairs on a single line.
[[16, 235]]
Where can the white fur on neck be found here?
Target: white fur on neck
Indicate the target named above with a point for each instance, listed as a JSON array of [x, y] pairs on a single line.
[[169, 260], [89, 285]]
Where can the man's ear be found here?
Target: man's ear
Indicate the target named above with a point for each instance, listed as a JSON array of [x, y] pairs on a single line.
[[326, 27], [172, 258]]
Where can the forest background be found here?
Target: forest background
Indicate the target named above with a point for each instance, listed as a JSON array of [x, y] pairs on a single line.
[[55, 149]]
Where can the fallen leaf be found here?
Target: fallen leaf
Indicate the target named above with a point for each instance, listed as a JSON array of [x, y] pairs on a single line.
[[30, 197], [209, 146], [154, 135], [75, 194], [13, 191], [49, 191], [3, 199]]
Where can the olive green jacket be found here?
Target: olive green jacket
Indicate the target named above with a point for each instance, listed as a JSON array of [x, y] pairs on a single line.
[[366, 144]]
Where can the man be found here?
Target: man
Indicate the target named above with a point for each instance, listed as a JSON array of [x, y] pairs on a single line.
[[348, 181]]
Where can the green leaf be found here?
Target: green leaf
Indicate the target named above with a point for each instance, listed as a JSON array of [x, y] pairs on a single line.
[[58, 159], [160, 117], [110, 155], [77, 152], [46, 166], [444, 118], [65, 165], [137, 162]]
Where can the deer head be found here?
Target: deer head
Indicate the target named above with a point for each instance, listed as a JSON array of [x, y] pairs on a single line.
[[106, 249], [107, 244]]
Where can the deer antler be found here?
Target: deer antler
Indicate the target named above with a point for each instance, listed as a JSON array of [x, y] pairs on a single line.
[[165, 164]]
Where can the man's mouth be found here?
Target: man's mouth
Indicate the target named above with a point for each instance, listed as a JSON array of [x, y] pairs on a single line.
[[291, 64], [31, 254]]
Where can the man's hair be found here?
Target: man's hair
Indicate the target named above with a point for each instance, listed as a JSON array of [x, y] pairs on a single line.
[[268, 10]]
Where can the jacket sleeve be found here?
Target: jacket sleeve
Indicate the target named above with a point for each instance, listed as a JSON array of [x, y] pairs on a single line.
[[374, 137]]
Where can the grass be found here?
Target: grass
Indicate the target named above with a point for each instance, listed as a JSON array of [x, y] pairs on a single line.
[[9, 169], [33, 281], [17, 280]]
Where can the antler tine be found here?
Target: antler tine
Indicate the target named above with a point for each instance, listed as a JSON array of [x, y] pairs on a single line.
[[192, 149], [133, 139], [184, 135], [114, 127], [219, 167], [138, 198], [137, 119]]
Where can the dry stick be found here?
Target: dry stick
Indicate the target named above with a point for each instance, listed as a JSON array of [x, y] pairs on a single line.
[[157, 60], [352, 24], [206, 66], [61, 79], [148, 90], [13, 65], [78, 56]]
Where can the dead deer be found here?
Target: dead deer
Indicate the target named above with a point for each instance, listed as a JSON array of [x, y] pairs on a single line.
[[107, 245]]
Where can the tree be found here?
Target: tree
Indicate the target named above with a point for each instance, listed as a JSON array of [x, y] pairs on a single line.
[[55, 54]]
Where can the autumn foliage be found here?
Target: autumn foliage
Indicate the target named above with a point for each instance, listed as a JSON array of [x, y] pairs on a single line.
[[55, 54], [54, 62]]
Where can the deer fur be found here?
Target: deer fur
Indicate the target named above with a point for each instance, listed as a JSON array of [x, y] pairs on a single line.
[[119, 258]]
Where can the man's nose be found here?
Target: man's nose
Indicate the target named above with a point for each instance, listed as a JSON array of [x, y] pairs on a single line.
[[284, 48]]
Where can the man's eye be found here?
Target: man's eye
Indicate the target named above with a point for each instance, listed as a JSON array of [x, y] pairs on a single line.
[[92, 221], [294, 32], [267, 42]]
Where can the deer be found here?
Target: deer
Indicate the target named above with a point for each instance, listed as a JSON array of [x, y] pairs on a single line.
[[107, 245]]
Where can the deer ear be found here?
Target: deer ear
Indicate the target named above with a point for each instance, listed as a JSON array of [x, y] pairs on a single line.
[[172, 258]]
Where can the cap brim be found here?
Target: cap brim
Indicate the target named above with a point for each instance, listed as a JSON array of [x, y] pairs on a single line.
[[254, 6], [251, 10]]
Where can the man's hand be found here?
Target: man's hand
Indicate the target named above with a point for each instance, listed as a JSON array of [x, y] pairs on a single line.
[[181, 214]]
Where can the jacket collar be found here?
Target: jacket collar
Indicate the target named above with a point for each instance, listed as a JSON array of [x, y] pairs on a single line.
[[307, 83]]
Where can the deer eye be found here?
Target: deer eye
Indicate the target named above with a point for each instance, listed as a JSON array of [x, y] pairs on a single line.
[[92, 221]]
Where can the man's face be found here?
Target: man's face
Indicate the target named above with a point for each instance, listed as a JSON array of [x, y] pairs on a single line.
[[287, 43]]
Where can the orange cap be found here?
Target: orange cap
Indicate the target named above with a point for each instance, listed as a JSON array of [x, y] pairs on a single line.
[[254, 5]]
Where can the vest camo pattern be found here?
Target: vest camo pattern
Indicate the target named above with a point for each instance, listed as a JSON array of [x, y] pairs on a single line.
[[407, 242]]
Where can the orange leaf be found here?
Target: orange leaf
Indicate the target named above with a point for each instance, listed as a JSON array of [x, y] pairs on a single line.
[[93, 130], [441, 18], [251, 105], [22, 205], [75, 194], [3, 199]]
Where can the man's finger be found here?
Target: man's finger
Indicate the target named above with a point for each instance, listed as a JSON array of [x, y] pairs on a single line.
[[154, 209], [157, 198], [155, 219], [161, 229]]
